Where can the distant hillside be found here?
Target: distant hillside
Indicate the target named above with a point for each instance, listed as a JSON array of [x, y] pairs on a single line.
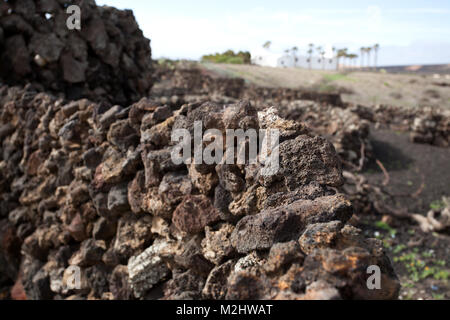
[[408, 86], [421, 69]]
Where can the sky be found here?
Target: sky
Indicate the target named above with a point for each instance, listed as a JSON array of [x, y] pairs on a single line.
[[408, 31]]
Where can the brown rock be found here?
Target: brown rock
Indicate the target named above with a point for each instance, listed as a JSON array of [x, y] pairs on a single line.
[[77, 229], [282, 255], [173, 187], [286, 223], [90, 253], [136, 192], [306, 159], [320, 235], [216, 246], [133, 235], [118, 283], [194, 213], [205, 183], [216, 283], [17, 291]]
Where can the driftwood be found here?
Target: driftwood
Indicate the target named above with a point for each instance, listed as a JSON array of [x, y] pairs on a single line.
[[430, 223], [386, 174]]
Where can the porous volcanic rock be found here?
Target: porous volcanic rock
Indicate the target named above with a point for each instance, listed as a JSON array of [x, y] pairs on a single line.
[[138, 226], [108, 59]]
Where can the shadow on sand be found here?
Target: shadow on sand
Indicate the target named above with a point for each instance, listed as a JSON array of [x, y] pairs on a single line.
[[392, 157]]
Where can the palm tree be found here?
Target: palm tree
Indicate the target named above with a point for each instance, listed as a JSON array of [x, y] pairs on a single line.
[[350, 60], [294, 53], [287, 54], [353, 58], [368, 50], [376, 47], [310, 52], [346, 60], [340, 54], [267, 44], [319, 51], [345, 56], [333, 50], [322, 55], [362, 50]]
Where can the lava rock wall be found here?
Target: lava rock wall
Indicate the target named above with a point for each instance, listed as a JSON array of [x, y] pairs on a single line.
[[190, 83], [95, 188], [108, 59]]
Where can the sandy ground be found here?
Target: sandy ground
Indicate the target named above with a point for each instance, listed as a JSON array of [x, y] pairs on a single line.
[[421, 260], [367, 88]]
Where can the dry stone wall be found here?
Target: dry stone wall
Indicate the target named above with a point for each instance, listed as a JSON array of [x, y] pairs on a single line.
[[108, 59], [93, 188]]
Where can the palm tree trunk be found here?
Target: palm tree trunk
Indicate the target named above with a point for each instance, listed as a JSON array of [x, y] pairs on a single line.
[[376, 59]]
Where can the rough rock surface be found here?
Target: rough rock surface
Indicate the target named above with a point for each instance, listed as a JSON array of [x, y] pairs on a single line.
[[426, 125], [345, 125], [188, 83], [139, 226], [108, 59]]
